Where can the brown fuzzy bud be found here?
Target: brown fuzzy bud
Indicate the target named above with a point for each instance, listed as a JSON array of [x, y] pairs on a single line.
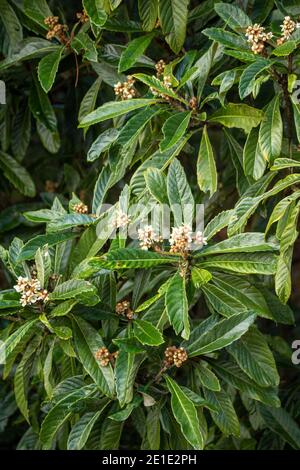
[[103, 356]]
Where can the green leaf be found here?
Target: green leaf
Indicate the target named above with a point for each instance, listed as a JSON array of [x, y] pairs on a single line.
[[126, 412], [30, 248], [126, 368], [87, 342], [271, 131], [173, 19], [156, 184], [219, 222], [281, 163], [81, 290], [281, 422], [225, 417], [174, 128], [11, 24], [148, 10], [37, 11], [177, 305], [249, 75], [147, 333], [22, 377], [158, 85], [253, 263], [218, 335], [59, 414], [241, 243], [207, 378], [63, 308], [135, 125], [225, 37], [229, 295], [17, 175], [87, 105], [180, 194], [207, 176], [49, 139], [130, 258], [254, 162], [81, 430], [29, 48], [254, 357], [236, 378], [238, 115], [22, 133], [96, 11], [285, 49], [9, 345], [153, 428], [233, 16], [185, 414], [133, 51], [200, 277], [113, 109], [47, 69], [83, 42], [102, 143], [110, 435]]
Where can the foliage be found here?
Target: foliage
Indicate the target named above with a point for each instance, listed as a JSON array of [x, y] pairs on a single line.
[[116, 342]]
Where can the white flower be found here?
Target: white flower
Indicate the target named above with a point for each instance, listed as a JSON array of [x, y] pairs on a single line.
[[200, 239], [121, 220], [147, 237]]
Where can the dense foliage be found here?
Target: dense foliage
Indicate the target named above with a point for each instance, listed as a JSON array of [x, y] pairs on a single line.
[[182, 341]]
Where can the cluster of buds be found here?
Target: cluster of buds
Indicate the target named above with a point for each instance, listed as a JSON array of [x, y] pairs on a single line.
[[257, 36], [103, 356], [80, 208], [175, 356], [125, 90], [160, 67], [31, 291], [287, 28], [181, 239], [56, 29], [82, 17], [148, 237], [123, 308], [121, 219], [193, 103]]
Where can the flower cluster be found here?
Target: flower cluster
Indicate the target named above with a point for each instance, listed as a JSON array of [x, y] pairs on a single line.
[[56, 29], [103, 356], [31, 291], [123, 308], [160, 67], [82, 17], [257, 37], [147, 237], [175, 356], [121, 219], [80, 208], [287, 28], [193, 103], [125, 90], [181, 239]]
